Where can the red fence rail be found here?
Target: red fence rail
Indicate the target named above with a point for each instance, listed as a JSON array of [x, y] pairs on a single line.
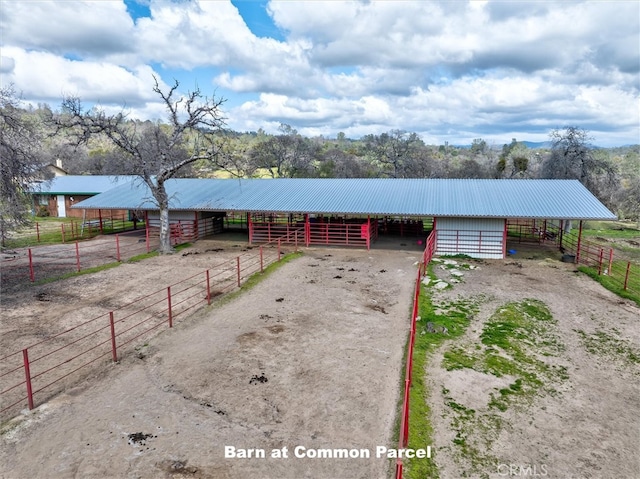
[[621, 271], [359, 233], [404, 414], [44, 262], [42, 369]]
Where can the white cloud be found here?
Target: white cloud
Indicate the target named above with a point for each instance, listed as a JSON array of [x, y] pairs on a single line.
[[443, 69], [71, 27], [45, 76]]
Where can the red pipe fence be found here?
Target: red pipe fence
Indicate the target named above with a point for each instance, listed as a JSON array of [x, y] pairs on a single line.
[[404, 414], [49, 364]]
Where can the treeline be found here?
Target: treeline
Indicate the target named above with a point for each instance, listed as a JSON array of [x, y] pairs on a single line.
[[612, 174]]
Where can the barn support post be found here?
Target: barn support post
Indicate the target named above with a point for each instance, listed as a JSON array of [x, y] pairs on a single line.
[[112, 326], [250, 225], [118, 248], [77, 256], [169, 306], [561, 234], [579, 243], [368, 232], [100, 218], [27, 375], [307, 230], [208, 288], [504, 240], [31, 274], [146, 227], [196, 232]]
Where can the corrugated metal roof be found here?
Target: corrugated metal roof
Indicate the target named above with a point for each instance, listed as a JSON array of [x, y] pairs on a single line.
[[550, 199], [80, 184]]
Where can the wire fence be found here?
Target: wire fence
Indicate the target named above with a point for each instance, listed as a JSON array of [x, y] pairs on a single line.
[[33, 374]]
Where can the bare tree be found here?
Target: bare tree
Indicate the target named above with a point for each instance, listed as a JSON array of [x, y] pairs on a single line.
[[20, 164], [572, 157], [157, 152]]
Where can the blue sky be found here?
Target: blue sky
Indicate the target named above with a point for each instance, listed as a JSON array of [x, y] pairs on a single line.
[[449, 71]]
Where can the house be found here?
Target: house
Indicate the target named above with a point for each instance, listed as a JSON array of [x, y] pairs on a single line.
[[470, 216], [55, 197]]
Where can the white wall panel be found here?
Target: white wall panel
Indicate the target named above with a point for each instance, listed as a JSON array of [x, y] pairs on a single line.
[[475, 237]]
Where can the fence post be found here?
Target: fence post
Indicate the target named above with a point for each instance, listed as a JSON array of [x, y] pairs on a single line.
[[114, 353], [579, 245], [600, 262], [238, 268], [38, 231], [169, 303], [62, 227], [78, 256], [27, 374], [279, 250], [626, 276], [118, 248], [610, 261], [32, 276], [261, 261], [208, 288]]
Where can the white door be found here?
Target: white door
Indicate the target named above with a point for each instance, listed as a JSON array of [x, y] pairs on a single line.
[[62, 210]]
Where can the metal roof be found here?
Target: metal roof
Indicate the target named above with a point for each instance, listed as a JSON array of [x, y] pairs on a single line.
[[549, 199], [80, 184]]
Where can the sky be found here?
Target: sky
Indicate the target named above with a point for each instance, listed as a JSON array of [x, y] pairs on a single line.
[[449, 71]]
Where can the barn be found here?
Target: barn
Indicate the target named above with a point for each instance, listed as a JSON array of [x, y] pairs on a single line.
[[470, 216]]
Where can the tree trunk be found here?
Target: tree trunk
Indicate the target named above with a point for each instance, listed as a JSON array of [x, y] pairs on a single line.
[[165, 227]]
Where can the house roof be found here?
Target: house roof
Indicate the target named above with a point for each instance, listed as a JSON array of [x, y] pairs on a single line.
[[549, 199], [79, 184]]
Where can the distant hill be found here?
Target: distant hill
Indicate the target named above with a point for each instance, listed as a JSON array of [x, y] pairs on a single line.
[[536, 144]]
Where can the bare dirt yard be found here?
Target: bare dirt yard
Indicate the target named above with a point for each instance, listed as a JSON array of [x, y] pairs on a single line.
[[312, 356], [309, 357], [545, 382]]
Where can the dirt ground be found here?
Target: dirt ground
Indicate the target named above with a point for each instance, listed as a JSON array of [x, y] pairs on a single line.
[[310, 357], [588, 426]]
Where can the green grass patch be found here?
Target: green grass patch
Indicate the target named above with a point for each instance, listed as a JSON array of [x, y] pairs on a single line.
[[50, 231], [610, 347], [455, 316], [614, 281], [514, 343]]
